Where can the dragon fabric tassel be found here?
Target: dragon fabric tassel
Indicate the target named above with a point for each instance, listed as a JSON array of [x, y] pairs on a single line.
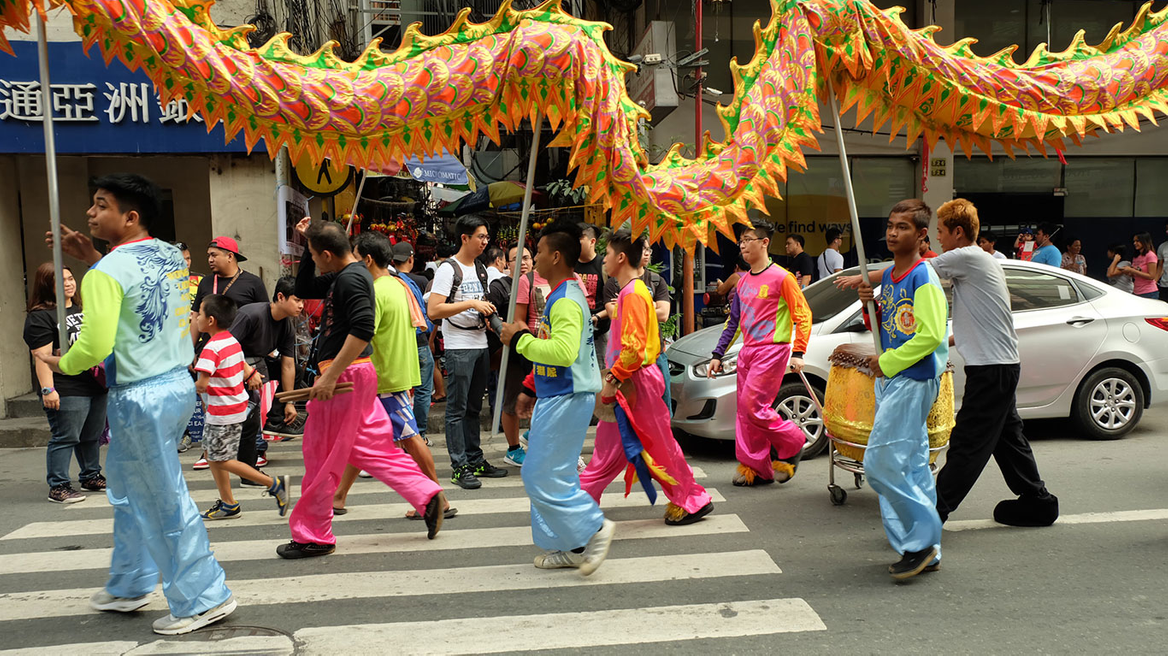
[[638, 447]]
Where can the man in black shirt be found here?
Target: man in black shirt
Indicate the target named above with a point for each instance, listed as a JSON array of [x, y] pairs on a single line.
[[591, 272], [261, 329], [351, 427], [798, 262], [226, 278]]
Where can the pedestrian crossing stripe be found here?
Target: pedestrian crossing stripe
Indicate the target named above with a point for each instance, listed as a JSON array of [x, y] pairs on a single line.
[[626, 626], [364, 486], [514, 633], [269, 517], [347, 545], [336, 586]]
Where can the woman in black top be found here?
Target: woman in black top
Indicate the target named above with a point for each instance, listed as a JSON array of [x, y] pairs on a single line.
[[74, 405]]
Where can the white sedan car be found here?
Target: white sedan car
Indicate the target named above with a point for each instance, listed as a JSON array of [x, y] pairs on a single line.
[[1089, 352]]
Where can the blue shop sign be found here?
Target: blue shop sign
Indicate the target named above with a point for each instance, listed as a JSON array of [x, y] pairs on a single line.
[[95, 109]]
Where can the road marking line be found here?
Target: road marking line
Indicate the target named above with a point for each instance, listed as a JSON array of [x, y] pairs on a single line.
[[268, 517], [316, 588], [480, 538], [363, 486], [632, 626], [112, 648], [280, 645], [1083, 518]]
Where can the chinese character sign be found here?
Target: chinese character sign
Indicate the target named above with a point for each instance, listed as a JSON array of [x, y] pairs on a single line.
[[95, 109]]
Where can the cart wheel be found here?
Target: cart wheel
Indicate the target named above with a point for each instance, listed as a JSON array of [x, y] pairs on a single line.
[[859, 481], [838, 495]]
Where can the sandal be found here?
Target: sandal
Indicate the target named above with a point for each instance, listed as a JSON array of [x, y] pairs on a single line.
[[446, 514], [339, 511]]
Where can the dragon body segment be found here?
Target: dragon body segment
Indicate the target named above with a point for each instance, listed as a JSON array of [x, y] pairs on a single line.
[[435, 92]]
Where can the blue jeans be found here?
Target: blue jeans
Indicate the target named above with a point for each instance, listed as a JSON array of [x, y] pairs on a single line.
[[157, 528], [425, 391], [76, 427], [466, 383]]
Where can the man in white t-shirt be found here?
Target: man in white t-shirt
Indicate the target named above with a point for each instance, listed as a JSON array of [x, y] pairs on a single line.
[[987, 241], [496, 263], [830, 261], [464, 311]]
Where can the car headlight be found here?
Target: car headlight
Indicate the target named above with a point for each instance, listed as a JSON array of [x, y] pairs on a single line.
[[729, 366]]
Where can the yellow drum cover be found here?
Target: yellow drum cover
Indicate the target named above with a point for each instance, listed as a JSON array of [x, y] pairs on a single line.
[[849, 406]]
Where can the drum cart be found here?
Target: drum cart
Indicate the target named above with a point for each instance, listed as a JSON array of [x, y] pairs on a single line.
[[839, 496]]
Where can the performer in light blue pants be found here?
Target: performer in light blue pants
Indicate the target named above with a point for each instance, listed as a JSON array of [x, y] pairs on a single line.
[[563, 516], [156, 524], [897, 463]]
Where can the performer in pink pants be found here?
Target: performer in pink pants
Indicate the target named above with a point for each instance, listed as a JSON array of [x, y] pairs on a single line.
[[350, 427], [770, 311], [648, 448]]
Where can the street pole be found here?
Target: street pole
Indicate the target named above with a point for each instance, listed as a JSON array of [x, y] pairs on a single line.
[[356, 201], [536, 128], [857, 239], [51, 172], [687, 260]]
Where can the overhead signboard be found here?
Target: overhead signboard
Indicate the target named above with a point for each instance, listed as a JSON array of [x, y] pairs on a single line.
[[96, 110]]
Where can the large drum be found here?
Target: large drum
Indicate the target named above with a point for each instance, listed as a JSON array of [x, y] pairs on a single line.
[[849, 406]]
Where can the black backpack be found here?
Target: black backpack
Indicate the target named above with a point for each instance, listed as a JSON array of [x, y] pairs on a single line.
[[481, 271]]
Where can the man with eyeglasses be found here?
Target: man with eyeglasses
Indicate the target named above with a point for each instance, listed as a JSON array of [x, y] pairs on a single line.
[[458, 298], [768, 308]]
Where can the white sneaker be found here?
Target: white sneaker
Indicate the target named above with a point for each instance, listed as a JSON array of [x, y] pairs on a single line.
[[597, 549], [102, 600], [364, 474], [558, 560], [171, 625], [580, 464]]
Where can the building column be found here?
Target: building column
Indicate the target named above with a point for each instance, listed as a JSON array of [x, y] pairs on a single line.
[[15, 378], [243, 207]]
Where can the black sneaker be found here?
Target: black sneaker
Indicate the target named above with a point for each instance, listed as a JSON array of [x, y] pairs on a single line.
[[284, 431], [486, 470], [464, 479], [1027, 511], [95, 484], [913, 563], [296, 549]]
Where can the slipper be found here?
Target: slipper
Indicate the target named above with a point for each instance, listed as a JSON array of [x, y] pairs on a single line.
[[450, 512], [339, 511]]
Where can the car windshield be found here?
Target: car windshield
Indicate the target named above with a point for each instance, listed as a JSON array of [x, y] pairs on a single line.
[[826, 301]]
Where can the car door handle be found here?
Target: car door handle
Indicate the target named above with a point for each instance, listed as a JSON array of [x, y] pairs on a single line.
[[1079, 321]]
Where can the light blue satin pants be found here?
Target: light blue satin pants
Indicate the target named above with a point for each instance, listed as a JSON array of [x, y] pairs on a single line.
[[897, 463], [563, 516], [157, 528]]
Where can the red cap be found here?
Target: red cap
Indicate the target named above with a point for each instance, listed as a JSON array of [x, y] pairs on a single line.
[[228, 244]]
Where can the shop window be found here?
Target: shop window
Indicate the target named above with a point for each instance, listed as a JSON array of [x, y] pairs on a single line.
[[1151, 192], [881, 182], [1099, 187], [1003, 175], [1094, 17]]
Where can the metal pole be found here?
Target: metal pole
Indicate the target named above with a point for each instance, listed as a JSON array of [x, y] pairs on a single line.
[[356, 201], [687, 258], [857, 239], [536, 128], [51, 172]]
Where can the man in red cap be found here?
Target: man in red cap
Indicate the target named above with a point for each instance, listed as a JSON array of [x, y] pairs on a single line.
[[244, 288]]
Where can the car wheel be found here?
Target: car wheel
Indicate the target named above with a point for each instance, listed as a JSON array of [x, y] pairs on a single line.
[[793, 403], [1109, 404]]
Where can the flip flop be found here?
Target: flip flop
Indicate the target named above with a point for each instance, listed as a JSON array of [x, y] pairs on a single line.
[[339, 511], [447, 514]]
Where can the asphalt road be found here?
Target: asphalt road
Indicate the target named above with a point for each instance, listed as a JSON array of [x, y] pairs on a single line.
[[816, 578]]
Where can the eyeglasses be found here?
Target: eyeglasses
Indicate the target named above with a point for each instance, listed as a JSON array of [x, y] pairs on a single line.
[[747, 240], [481, 237]]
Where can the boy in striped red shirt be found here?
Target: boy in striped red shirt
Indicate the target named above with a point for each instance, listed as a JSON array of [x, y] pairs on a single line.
[[223, 374]]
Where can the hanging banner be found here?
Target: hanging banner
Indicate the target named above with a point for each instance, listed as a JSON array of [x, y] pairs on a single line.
[[293, 206], [443, 170]]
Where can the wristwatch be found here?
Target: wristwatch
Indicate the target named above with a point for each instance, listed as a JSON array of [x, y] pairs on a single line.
[[47, 390]]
